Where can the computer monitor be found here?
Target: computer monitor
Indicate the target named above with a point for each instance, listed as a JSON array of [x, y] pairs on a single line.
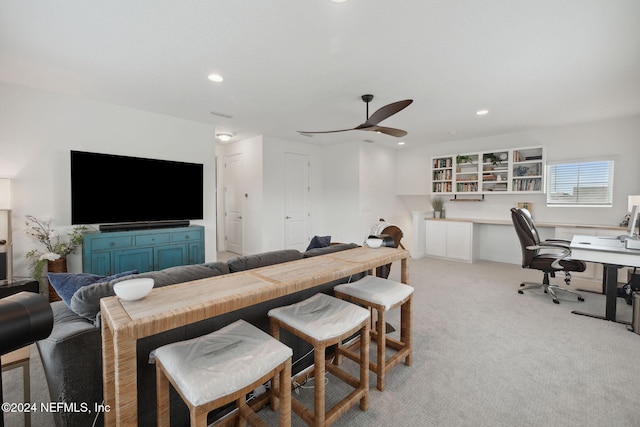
[[633, 220]]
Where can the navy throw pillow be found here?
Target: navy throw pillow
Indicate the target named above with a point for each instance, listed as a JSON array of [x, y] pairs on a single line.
[[319, 242], [66, 284]]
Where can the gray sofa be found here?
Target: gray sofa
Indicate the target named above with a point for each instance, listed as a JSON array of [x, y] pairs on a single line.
[[72, 354]]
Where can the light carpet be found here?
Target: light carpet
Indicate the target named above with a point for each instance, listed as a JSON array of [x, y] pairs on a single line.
[[483, 356]]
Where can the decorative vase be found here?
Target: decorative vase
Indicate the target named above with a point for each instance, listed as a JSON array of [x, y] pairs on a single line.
[[437, 214], [57, 266]]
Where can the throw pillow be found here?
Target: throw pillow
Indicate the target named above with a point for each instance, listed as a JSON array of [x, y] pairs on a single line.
[[319, 242], [66, 284]]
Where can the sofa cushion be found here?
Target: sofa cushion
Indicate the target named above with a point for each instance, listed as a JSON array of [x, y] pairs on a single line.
[[66, 284], [329, 249], [86, 301], [264, 259]]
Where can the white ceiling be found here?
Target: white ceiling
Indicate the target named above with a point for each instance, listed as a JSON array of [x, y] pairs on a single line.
[[303, 64]]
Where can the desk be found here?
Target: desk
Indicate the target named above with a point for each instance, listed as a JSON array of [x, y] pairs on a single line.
[[124, 322], [612, 254]]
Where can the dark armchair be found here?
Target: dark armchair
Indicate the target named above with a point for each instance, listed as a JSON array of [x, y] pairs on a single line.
[[549, 256]]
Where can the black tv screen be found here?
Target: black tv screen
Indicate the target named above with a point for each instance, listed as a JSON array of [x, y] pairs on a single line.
[[108, 188]]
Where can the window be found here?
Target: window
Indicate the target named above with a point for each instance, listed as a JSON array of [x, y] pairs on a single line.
[[584, 183]]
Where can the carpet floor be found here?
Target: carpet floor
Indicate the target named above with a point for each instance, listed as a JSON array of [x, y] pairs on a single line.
[[484, 355]]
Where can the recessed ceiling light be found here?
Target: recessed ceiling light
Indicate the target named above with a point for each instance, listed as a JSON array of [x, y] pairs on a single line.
[[401, 143], [482, 112], [338, 1], [215, 77], [224, 136]]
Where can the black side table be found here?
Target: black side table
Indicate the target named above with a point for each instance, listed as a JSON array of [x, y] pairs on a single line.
[[19, 286]]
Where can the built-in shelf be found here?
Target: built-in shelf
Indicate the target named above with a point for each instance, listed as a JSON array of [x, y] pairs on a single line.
[[513, 170]]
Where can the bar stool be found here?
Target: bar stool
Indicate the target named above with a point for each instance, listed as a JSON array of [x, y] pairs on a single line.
[[215, 369], [323, 321], [382, 295]]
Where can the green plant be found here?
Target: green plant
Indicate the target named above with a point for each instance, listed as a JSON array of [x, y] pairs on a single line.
[[491, 157], [437, 203], [55, 247], [463, 159]]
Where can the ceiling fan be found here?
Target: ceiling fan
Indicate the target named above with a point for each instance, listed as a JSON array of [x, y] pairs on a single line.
[[371, 123]]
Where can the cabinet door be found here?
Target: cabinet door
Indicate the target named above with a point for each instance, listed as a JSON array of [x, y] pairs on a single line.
[[100, 264], [459, 240], [169, 256], [133, 259], [196, 253], [436, 238]]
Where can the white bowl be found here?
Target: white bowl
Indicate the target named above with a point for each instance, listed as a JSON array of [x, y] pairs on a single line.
[[374, 242], [133, 289]]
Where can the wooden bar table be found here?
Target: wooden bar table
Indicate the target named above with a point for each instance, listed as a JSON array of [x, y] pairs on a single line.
[[165, 308]]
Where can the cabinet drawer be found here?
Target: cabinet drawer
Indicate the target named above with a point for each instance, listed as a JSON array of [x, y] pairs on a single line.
[[180, 236], [153, 239], [111, 243]]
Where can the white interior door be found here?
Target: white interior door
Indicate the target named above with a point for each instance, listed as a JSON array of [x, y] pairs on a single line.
[[233, 203], [296, 201]]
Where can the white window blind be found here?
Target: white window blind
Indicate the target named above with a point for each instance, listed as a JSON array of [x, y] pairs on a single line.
[[584, 183]]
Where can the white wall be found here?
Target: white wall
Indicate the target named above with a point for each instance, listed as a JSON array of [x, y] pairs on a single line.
[[37, 131], [619, 138]]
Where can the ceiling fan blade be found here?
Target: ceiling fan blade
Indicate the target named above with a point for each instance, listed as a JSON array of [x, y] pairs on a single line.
[[325, 131], [398, 133], [387, 111]]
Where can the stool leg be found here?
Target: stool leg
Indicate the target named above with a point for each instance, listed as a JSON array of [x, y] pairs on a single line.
[[382, 346], [285, 395], [198, 416], [364, 366], [318, 395], [162, 396], [405, 328], [276, 384]]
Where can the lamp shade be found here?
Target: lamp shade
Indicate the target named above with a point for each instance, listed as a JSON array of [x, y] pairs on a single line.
[[5, 193], [633, 201]]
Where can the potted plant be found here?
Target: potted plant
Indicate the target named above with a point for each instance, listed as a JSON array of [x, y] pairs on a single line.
[[437, 203], [56, 249]]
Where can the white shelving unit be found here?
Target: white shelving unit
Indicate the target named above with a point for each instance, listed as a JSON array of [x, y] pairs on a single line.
[[511, 170]]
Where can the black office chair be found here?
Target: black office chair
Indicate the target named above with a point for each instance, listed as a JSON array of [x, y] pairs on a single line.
[[549, 256]]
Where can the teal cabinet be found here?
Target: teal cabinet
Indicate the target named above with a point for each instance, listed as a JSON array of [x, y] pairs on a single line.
[[143, 250]]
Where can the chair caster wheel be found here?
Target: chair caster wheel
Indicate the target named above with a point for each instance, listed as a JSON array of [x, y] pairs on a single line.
[[580, 299], [520, 292], [555, 301]]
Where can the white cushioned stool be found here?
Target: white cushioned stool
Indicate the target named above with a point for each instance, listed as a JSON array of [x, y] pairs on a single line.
[[323, 321], [215, 369], [382, 295]]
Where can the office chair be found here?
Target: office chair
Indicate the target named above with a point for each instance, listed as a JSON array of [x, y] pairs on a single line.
[[549, 256]]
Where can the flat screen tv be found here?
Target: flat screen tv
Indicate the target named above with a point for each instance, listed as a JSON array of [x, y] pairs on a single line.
[[112, 189]]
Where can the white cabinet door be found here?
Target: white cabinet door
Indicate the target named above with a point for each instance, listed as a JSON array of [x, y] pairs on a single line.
[[460, 240], [436, 238], [450, 239]]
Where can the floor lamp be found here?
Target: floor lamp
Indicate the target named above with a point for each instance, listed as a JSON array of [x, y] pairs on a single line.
[[6, 273]]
